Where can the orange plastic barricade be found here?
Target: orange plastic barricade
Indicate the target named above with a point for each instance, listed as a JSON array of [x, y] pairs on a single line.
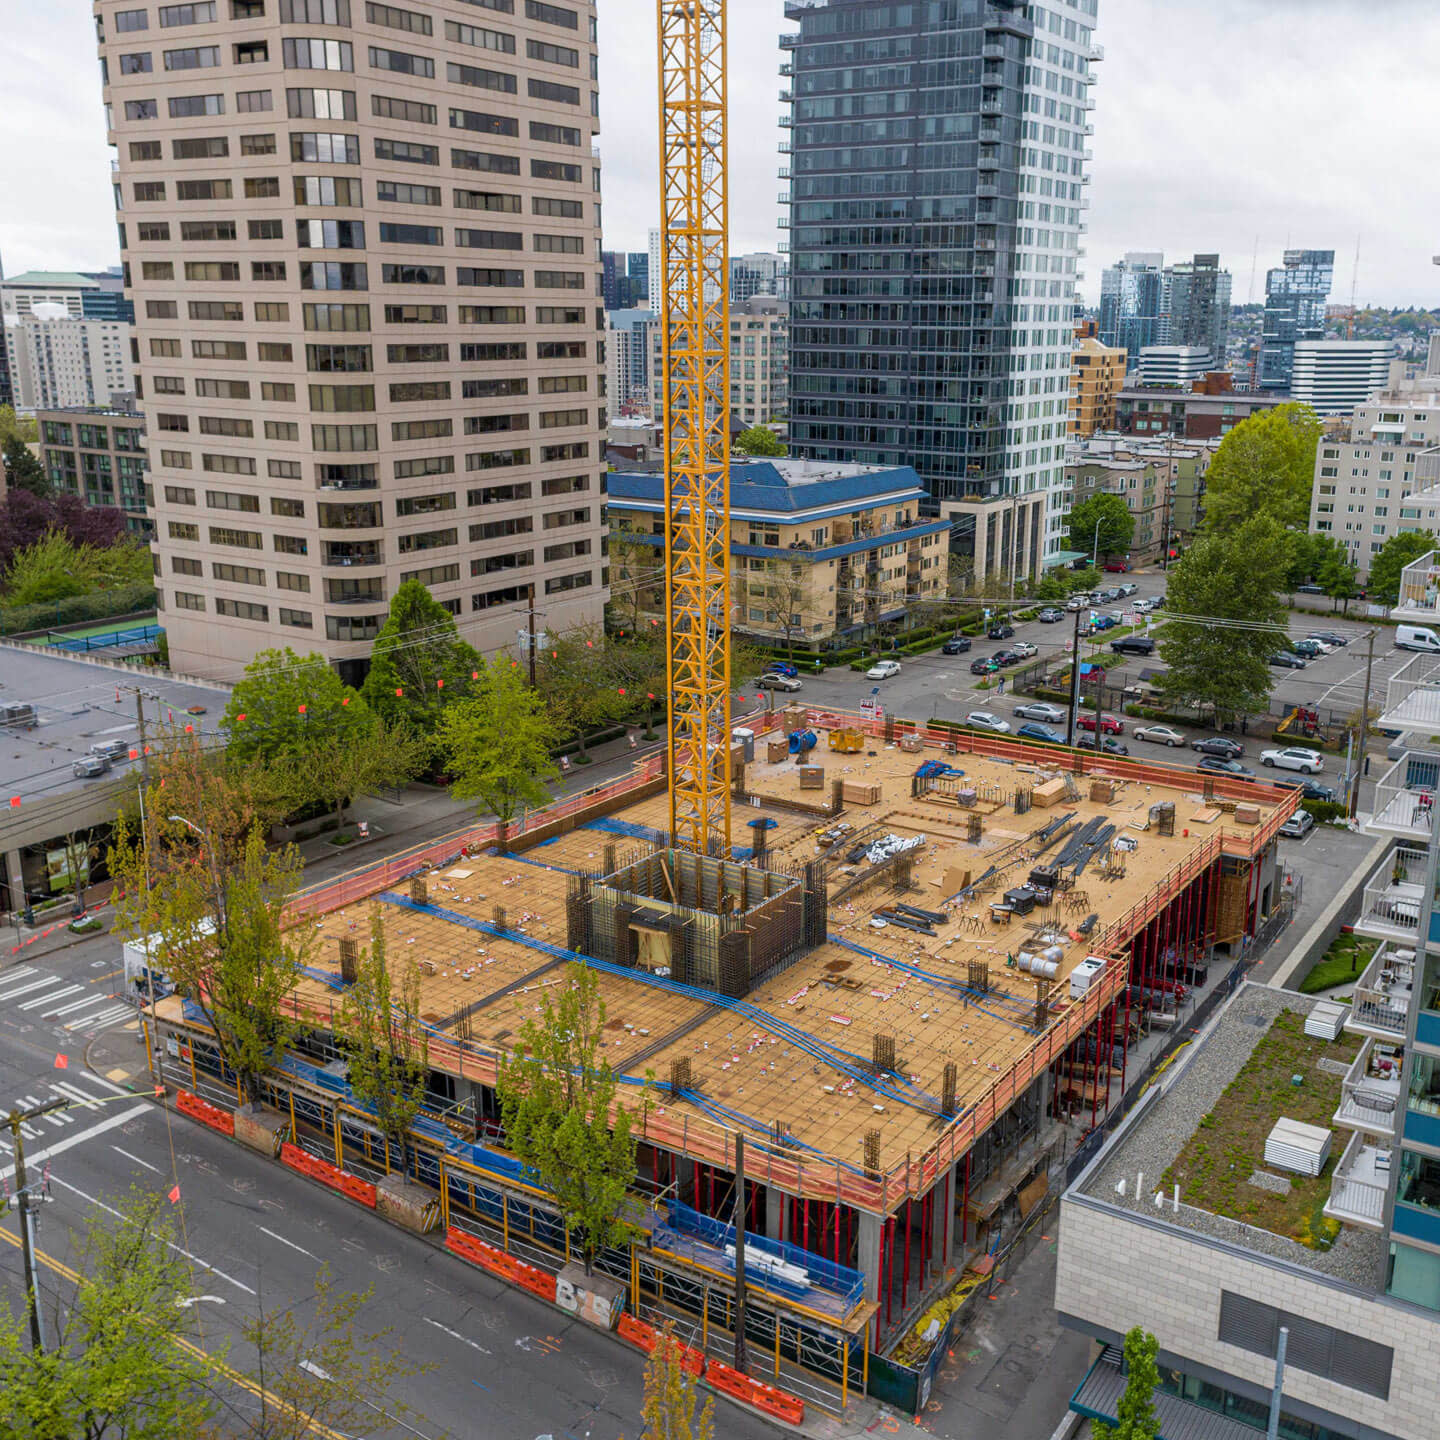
[[351, 1186], [731, 1381], [359, 1190], [205, 1112], [637, 1332], [754, 1392]]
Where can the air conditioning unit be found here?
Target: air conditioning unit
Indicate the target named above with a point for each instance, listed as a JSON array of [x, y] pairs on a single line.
[[1085, 974]]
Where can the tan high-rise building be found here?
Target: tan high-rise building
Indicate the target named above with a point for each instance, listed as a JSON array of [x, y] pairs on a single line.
[[1097, 376], [363, 244]]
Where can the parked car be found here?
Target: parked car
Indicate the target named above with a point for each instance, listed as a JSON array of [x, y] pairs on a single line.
[[1108, 594], [774, 680], [1298, 826], [1281, 661], [1103, 622], [1077, 602], [1050, 615], [983, 665], [1040, 710], [1024, 649], [1219, 746], [985, 720], [1309, 789], [1309, 649], [1109, 745], [1146, 605], [88, 766], [1133, 645], [1039, 732], [1309, 589], [1160, 735], [783, 667], [999, 631], [883, 670], [1128, 588], [1117, 567], [1109, 725], [1294, 757], [1006, 656], [1224, 767], [956, 645], [1330, 637], [112, 749]]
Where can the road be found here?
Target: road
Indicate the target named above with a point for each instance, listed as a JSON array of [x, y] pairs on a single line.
[[506, 1366]]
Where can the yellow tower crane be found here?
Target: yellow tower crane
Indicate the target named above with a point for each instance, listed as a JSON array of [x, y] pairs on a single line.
[[694, 287]]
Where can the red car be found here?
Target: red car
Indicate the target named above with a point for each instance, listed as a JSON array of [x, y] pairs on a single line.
[[1109, 725], [1117, 567]]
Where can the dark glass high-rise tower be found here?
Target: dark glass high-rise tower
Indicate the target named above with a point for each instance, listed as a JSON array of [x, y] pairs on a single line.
[[1295, 297], [937, 185]]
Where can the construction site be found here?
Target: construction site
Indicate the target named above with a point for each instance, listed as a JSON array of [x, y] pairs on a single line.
[[918, 983]]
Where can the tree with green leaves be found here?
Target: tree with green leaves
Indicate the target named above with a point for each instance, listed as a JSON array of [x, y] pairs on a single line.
[[576, 680], [759, 440], [216, 915], [498, 743], [118, 1363], [284, 701], [1050, 589], [1136, 1409], [419, 663], [22, 470], [1083, 580], [1401, 549], [13, 426], [362, 758], [557, 1097], [1237, 576], [1330, 567], [385, 1041], [54, 567], [1264, 466], [668, 1408], [1101, 526]]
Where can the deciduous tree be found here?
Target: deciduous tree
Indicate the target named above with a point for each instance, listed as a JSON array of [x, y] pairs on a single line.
[[759, 440], [670, 1396], [557, 1095], [1101, 525], [22, 470], [1136, 1409], [1400, 550], [1264, 466]]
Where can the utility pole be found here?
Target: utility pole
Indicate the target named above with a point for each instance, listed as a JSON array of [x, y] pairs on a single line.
[[739, 1251], [1075, 685], [27, 1203], [1364, 727], [140, 723], [1272, 1429], [530, 632]]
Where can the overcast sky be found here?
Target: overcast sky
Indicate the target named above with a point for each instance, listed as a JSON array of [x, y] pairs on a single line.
[[1219, 125]]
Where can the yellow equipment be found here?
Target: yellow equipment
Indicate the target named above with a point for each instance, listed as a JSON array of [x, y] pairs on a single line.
[[694, 288], [847, 742]]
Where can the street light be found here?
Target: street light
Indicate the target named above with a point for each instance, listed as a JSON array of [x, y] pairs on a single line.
[[1095, 549]]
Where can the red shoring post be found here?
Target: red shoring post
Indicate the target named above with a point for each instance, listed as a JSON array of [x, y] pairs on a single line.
[[965, 1205], [887, 1260], [905, 1266]]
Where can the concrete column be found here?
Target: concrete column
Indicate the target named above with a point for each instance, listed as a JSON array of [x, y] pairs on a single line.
[[685, 1180], [774, 1212], [868, 1253], [15, 876], [943, 1221]]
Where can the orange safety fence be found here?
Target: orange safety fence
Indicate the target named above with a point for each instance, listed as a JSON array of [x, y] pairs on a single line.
[[351, 1186], [738, 1385], [205, 1112], [507, 1267], [646, 1337]]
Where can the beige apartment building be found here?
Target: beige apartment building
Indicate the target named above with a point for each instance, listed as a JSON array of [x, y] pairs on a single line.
[[363, 244], [759, 362]]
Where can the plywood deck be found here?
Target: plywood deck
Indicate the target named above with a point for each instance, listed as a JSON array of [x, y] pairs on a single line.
[[837, 996]]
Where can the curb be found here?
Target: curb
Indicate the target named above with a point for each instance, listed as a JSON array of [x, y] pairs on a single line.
[[1298, 956]]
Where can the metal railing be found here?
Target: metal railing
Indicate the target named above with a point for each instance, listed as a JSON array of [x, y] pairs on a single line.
[[1393, 896], [1412, 694], [1357, 1198], [1405, 796], [1382, 995], [1368, 1102]]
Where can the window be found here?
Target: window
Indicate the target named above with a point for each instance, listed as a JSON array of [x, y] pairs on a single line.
[[237, 574], [393, 18], [333, 275], [184, 530], [184, 105], [252, 52], [215, 310], [572, 450], [275, 352], [232, 500], [228, 465], [343, 437], [565, 485], [407, 152], [327, 190], [494, 350], [496, 460], [559, 280], [486, 124], [137, 64], [207, 229], [330, 234], [126, 20], [407, 274], [203, 190], [285, 470], [559, 244], [412, 112], [353, 627], [157, 270], [410, 391], [497, 203], [147, 190], [242, 609], [272, 311], [559, 315], [282, 392], [165, 421], [337, 317], [494, 389], [315, 54], [146, 150], [393, 233], [179, 495], [188, 600], [241, 539], [249, 102], [342, 397], [417, 354], [488, 278], [300, 619], [568, 582], [560, 209], [338, 359], [184, 565], [424, 505], [548, 90], [552, 54], [563, 384], [427, 540], [492, 314], [495, 424], [320, 104], [164, 348], [218, 349], [553, 170], [401, 194], [421, 429], [265, 229], [325, 149], [401, 63], [481, 160], [141, 110], [177, 460], [480, 38], [223, 425], [417, 314], [197, 57], [551, 14], [315, 12], [222, 389], [290, 545], [212, 270], [432, 575], [481, 79], [200, 13], [559, 419], [426, 465]]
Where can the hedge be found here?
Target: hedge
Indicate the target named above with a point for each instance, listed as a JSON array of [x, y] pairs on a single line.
[[78, 609]]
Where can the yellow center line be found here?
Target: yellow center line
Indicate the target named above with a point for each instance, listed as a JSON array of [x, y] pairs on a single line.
[[214, 1363]]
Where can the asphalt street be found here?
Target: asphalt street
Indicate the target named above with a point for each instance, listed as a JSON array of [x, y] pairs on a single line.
[[504, 1365]]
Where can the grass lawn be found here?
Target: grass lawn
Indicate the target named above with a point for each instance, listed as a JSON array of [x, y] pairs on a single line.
[[1347, 956], [1214, 1169]]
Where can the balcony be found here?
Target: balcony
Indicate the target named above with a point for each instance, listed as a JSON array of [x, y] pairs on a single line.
[[1381, 1002], [1370, 1091], [1096, 52], [1010, 22], [993, 51], [787, 67], [790, 39], [1412, 694], [1405, 797], [988, 160], [1393, 896], [987, 190], [785, 97], [358, 552], [991, 105], [1357, 1190]]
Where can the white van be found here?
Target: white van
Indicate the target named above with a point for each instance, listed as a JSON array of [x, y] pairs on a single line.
[[1417, 637]]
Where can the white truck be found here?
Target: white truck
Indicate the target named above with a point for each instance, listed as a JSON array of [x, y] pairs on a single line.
[[144, 960]]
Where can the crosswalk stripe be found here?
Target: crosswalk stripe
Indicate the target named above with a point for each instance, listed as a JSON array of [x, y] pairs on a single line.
[[18, 973], [75, 1093], [79, 1005], [25, 989], [105, 1017], [50, 998]]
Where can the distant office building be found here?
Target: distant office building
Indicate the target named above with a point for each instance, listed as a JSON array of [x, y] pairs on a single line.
[[637, 271], [56, 359], [1097, 377], [20, 294], [98, 453], [1175, 365], [109, 302], [758, 274], [922, 309], [1335, 376], [1295, 297], [1199, 307], [759, 362], [628, 338], [654, 274], [1207, 410], [1133, 298], [612, 272]]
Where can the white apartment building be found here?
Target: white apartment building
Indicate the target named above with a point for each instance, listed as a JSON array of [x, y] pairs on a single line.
[[1177, 365], [628, 345], [1378, 477], [759, 362], [19, 294], [57, 359], [1334, 376], [363, 244]]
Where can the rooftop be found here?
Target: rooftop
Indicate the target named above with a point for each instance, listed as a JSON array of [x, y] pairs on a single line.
[[790, 1061], [787, 485], [1204, 1128], [52, 279]]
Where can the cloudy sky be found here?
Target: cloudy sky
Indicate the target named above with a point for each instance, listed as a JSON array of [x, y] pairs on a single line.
[[1224, 125]]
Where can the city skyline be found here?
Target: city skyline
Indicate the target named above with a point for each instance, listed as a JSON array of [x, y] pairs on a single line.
[[1185, 161]]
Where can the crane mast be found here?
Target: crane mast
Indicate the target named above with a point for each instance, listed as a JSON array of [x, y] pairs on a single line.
[[694, 286]]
